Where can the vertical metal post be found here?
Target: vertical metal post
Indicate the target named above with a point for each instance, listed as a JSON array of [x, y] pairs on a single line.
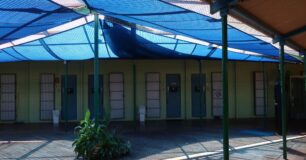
[[134, 91], [133, 34], [96, 68], [185, 89], [224, 13], [283, 96], [66, 94]]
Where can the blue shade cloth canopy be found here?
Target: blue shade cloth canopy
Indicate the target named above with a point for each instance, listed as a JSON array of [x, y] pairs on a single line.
[[21, 18], [115, 41], [167, 47], [167, 17], [74, 44]]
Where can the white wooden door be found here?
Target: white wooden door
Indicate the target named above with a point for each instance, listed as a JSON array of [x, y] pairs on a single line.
[[116, 95], [8, 97], [259, 93], [153, 95], [46, 96]]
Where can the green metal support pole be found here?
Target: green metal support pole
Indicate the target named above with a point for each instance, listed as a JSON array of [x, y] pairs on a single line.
[[134, 92], [185, 90], [283, 97], [224, 13], [66, 94], [96, 68]]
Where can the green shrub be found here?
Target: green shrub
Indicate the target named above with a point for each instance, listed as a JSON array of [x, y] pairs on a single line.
[[95, 141]]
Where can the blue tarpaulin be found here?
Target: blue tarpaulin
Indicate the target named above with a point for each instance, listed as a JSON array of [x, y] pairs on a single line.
[[77, 44], [21, 18]]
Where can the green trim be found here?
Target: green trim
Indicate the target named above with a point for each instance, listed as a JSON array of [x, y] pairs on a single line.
[[134, 92], [185, 89]]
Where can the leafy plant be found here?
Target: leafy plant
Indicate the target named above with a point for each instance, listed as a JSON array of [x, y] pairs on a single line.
[[95, 141]]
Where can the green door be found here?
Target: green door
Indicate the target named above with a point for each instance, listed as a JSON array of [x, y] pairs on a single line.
[[173, 83], [69, 113], [198, 95]]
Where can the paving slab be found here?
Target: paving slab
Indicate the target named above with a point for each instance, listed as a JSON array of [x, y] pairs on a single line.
[[156, 140]]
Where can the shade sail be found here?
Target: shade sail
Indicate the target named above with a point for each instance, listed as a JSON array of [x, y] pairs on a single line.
[[164, 16], [142, 44], [73, 44], [115, 41], [20, 18], [23, 20]]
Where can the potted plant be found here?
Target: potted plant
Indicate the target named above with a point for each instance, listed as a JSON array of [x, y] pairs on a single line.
[[94, 140]]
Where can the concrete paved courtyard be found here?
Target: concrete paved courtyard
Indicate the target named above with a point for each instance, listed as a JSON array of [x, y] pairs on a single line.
[[156, 140]]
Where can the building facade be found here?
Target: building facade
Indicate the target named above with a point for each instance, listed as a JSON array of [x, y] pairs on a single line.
[[169, 89]]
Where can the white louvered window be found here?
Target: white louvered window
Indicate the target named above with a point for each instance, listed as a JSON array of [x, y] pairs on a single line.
[[217, 100], [153, 95], [8, 97], [116, 95], [259, 93], [46, 96]]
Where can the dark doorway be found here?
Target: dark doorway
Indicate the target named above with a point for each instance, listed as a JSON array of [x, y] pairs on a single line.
[[297, 101]]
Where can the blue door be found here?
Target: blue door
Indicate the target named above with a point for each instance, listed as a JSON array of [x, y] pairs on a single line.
[[198, 95], [91, 94], [69, 113], [173, 95]]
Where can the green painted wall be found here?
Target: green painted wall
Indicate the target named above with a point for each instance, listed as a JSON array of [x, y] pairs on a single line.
[[241, 106]]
